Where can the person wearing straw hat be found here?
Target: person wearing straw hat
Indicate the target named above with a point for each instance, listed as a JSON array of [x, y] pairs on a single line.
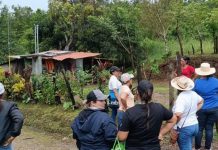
[[207, 87], [185, 107], [93, 128]]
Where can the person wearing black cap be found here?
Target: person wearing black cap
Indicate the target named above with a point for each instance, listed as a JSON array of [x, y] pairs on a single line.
[[114, 86], [141, 124], [11, 121], [93, 128]]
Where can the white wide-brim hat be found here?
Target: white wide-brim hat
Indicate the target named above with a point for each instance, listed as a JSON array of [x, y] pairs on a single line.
[[205, 70], [182, 83]]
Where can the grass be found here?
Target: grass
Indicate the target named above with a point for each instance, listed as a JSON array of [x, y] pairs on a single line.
[[48, 118], [161, 87], [187, 46]]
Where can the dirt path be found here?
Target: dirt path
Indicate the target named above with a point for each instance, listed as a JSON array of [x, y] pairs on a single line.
[[37, 140]]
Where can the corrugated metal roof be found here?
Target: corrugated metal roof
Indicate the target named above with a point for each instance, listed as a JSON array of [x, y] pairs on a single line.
[[58, 55], [75, 55]]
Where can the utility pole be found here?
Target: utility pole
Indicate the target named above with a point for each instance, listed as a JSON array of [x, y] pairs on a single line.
[[37, 63], [9, 58], [36, 38]]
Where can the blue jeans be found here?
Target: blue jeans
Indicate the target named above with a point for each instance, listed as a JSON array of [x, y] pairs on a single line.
[[114, 113], [186, 135], [120, 117], [206, 119], [9, 147]]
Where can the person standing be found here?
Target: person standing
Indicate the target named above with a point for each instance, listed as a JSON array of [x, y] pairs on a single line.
[[11, 121], [126, 98], [93, 128], [114, 87], [207, 87], [185, 107], [186, 69], [141, 124]]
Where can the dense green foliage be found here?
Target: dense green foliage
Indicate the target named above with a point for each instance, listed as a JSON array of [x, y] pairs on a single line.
[[133, 32]]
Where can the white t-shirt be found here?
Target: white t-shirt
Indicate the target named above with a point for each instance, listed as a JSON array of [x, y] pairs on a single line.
[[187, 100], [130, 97], [114, 83]]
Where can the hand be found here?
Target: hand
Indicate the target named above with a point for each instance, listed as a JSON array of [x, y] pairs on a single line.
[[8, 141], [160, 137]]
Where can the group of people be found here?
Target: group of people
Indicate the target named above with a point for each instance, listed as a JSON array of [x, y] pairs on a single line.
[[135, 119], [140, 121]]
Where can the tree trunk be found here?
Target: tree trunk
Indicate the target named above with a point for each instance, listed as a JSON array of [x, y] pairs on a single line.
[[216, 126], [216, 45], [132, 62], [193, 49], [179, 37], [139, 73], [171, 89], [178, 65], [201, 44], [165, 43], [69, 90]]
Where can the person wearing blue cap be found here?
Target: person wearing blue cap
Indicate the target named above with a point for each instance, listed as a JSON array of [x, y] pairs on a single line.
[[11, 121], [93, 128]]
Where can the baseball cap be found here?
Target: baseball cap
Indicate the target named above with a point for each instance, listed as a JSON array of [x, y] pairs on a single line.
[[96, 95], [126, 77], [2, 89], [114, 68]]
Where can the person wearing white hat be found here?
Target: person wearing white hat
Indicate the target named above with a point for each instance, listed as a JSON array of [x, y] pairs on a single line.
[[11, 121], [126, 98], [185, 107], [207, 87]]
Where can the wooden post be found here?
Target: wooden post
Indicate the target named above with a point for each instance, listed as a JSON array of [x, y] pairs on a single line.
[[171, 89]]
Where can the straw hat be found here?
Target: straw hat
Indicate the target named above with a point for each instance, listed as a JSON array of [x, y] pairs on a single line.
[[182, 83], [205, 70]]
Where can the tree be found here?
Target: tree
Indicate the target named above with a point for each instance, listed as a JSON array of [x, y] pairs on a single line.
[[157, 18], [196, 20], [213, 22]]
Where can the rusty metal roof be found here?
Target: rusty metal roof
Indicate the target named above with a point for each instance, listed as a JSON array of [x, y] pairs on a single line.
[[59, 55], [75, 55]]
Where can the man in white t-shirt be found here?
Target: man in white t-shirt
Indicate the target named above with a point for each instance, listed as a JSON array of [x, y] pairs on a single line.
[[126, 98], [114, 87], [185, 107]]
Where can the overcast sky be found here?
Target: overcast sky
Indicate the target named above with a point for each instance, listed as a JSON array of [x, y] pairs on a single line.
[[34, 4]]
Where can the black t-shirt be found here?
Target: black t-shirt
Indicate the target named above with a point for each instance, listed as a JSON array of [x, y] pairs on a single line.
[[143, 122]]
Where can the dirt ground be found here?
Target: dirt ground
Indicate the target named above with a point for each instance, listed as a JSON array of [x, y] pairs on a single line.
[[36, 140], [31, 139]]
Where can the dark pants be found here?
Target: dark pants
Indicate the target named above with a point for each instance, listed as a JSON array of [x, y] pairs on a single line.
[[206, 119]]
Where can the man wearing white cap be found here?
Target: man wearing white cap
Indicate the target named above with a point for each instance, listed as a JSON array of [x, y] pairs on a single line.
[[11, 121], [126, 99]]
